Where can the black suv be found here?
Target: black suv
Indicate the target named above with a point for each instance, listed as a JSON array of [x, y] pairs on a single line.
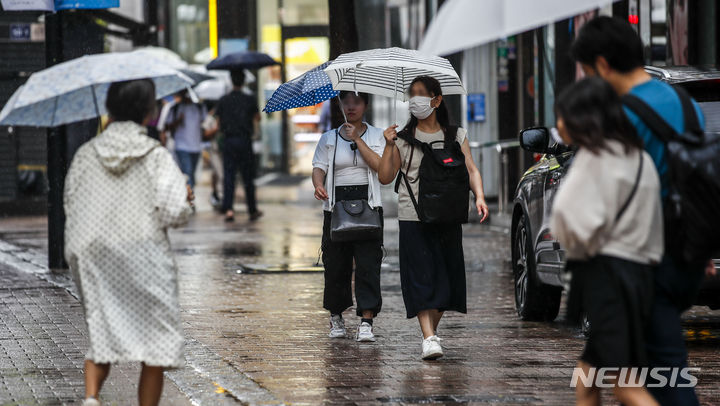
[[537, 257]]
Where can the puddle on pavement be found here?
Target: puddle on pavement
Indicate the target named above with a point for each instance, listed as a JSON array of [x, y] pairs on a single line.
[[236, 311], [254, 269]]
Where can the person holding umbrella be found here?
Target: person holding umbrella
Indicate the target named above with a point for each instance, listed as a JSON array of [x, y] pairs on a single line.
[[432, 267], [184, 122], [122, 192], [345, 169], [238, 115]]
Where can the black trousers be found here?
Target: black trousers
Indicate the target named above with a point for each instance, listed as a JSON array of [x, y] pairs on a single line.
[[338, 261], [238, 155]]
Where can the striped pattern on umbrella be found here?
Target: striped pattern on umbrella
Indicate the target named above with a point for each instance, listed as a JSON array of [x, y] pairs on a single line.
[[308, 89], [389, 72]]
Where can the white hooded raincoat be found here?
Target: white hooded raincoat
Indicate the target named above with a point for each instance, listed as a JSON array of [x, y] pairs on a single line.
[[122, 192]]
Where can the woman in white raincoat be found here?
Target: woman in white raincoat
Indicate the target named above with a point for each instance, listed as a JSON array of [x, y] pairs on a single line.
[[122, 192]]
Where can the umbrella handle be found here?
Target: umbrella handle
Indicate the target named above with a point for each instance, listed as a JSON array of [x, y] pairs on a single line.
[[342, 108]]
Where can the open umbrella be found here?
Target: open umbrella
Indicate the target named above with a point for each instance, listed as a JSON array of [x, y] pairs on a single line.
[[76, 90], [242, 60], [308, 89], [462, 24], [163, 54], [389, 72]]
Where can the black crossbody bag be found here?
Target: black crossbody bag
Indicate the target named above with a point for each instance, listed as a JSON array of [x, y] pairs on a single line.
[[353, 220]]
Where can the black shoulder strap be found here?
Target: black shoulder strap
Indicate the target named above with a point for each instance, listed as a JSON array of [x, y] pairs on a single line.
[[634, 189], [337, 132], [692, 123], [451, 131], [650, 117], [407, 137], [401, 175]]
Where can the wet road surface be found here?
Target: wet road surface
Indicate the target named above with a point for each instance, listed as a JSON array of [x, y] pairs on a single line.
[[251, 297]]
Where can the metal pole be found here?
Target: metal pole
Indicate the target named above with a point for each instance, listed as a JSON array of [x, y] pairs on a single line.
[[503, 195], [285, 131], [56, 154]]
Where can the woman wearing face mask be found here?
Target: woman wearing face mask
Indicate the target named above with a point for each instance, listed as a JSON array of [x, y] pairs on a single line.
[[432, 266], [345, 168]]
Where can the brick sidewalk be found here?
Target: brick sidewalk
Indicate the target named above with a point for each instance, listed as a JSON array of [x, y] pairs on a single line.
[[42, 346], [256, 332]]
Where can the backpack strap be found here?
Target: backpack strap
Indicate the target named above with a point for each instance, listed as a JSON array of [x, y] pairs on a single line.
[[413, 142], [634, 189], [692, 123], [650, 117], [452, 130]]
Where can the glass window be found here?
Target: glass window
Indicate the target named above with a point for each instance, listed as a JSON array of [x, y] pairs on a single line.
[[189, 27]]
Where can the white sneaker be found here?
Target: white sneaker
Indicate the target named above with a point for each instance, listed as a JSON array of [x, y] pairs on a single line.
[[91, 402], [431, 348], [337, 327], [365, 333]]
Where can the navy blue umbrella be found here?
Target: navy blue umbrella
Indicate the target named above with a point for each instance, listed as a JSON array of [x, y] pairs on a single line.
[[242, 60], [308, 89]]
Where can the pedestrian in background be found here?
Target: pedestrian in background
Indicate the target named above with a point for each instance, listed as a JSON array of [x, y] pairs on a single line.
[[122, 192], [432, 265], [237, 114], [185, 124], [608, 217], [611, 49], [345, 168]]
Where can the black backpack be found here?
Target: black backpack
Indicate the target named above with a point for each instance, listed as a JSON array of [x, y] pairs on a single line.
[[692, 207], [444, 188]]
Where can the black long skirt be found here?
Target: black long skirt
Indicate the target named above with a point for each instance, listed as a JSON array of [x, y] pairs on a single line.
[[432, 267], [617, 296]]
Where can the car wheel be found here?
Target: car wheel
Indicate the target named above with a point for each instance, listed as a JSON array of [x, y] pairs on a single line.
[[534, 301]]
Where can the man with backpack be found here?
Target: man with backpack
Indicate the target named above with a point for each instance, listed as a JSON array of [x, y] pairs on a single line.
[[609, 48]]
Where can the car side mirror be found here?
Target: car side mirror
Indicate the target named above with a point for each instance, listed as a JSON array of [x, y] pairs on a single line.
[[535, 139]]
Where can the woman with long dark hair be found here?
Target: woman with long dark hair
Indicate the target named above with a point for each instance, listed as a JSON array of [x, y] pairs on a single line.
[[432, 265], [607, 216]]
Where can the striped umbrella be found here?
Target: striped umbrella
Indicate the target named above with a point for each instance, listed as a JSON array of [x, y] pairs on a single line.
[[388, 72], [308, 89]]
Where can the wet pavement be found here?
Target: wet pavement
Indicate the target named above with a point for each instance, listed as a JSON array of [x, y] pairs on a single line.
[[251, 297]]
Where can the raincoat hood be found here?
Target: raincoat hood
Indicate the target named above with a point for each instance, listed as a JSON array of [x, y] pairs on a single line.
[[122, 144]]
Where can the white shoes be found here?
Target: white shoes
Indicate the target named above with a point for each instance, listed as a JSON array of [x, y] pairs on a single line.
[[91, 402], [365, 333], [337, 327], [431, 348]]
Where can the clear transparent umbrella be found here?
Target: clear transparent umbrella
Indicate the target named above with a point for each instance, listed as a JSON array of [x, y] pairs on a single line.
[[76, 90], [462, 24]]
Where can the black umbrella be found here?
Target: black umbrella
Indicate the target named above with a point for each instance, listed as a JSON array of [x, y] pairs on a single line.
[[242, 60]]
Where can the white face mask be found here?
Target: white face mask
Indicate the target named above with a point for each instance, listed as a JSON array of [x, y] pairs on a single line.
[[420, 107]]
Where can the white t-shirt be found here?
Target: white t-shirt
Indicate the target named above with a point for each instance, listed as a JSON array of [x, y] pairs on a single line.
[[350, 167], [189, 134], [323, 160]]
